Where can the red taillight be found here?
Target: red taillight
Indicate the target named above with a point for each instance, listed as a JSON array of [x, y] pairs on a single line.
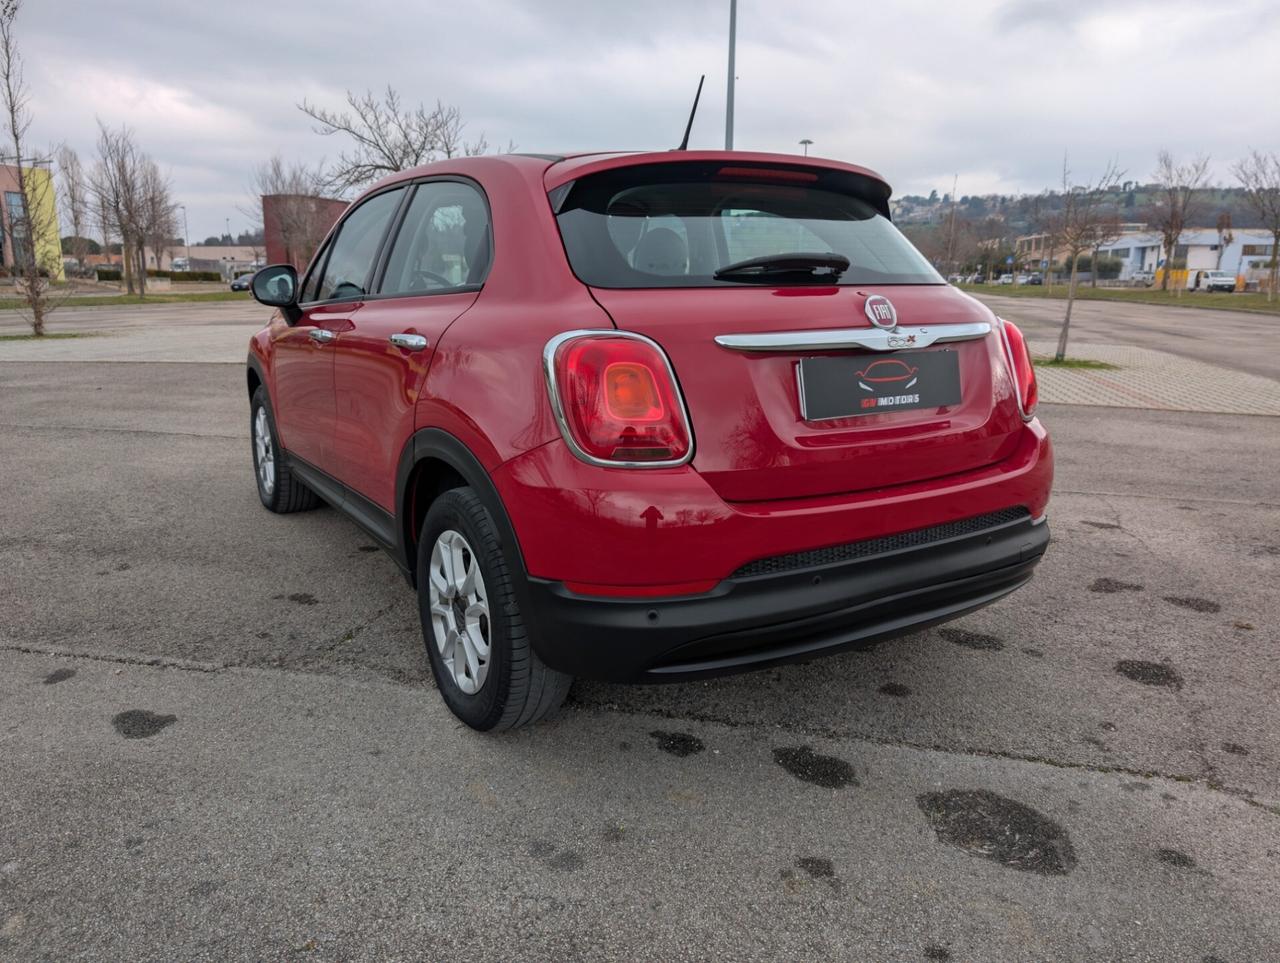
[[617, 401], [1024, 372]]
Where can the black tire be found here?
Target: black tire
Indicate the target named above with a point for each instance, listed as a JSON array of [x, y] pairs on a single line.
[[286, 493], [517, 688]]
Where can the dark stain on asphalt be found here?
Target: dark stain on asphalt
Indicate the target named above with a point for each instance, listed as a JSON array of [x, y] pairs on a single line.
[[985, 824], [624, 745], [368, 548], [1135, 786], [1175, 857], [895, 689], [58, 675], [547, 854], [1235, 749], [140, 723], [939, 953], [1100, 524], [304, 598], [678, 743], [1150, 673], [206, 887], [1168, 797], [1193, 603], [1110, 586], [1095, 742], [1034, 653], [132, 842], [972, 640], [1107, 726], [809, 766], [817, 867], [1212, 959]]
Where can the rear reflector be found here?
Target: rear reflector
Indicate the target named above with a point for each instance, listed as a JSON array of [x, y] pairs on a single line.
[[1022, 368], [616, 399]]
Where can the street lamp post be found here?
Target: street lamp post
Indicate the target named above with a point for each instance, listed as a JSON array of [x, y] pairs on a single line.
[[728, 105], [186, 236], [805, 144]]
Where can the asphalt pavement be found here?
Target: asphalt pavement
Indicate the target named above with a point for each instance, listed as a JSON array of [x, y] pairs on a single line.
[[219, 739]]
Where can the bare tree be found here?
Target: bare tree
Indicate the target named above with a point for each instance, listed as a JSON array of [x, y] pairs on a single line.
[[1174, 205], [296, 205], [1078, 224], [75, 203], [157, 223], [388, 136], [1259, 175], [116, 184], [36, 256], [1109, 231]]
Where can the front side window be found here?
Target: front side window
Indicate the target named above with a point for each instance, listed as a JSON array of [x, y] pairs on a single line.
[[350, 264], [443, 243], [694, 224]]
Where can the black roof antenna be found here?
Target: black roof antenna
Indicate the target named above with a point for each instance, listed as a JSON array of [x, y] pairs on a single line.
[[684, 144]]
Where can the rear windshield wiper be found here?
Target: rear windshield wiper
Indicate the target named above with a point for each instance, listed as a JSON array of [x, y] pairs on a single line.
[[776, 267]]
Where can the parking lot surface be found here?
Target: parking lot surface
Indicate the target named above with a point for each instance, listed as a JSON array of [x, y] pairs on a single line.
[[219, 739]]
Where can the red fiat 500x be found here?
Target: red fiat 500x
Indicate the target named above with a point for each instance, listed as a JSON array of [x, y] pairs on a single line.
[[647, 417]]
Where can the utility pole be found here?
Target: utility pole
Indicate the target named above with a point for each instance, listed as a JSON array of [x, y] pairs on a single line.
[[186, 235], [728, 107]]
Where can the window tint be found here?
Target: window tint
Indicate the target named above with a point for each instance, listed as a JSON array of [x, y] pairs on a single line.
[[311, 286], [676, 225], [355, 247], [443, 242]]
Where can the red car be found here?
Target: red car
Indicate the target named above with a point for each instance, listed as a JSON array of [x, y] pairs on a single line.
[[604, 412]]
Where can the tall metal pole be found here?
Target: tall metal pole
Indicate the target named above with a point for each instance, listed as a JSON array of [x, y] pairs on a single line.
[[728, 108]]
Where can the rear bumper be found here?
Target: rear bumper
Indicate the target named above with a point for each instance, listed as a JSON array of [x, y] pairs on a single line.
[[801, 613]]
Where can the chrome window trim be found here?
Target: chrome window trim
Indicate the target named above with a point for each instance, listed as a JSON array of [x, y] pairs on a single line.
[[873, 339], [557, 405]]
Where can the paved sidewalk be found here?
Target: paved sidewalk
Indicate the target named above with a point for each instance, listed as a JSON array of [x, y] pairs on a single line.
[[1153, 379]]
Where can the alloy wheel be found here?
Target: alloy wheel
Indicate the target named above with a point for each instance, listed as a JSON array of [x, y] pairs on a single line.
[[459, 611], [265, 452]]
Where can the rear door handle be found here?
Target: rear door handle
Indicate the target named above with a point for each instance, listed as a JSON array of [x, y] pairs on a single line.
[[410, 342], [321, 336]]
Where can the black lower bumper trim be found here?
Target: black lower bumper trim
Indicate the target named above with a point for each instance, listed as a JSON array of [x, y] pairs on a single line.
[[747, 623]]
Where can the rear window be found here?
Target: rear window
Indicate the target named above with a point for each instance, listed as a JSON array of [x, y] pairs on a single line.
[[675, 225]]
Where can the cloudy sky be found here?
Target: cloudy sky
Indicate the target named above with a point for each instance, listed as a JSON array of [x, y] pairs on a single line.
[[921, 90]]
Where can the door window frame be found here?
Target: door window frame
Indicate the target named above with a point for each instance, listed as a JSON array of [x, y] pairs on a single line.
[[321, 262]]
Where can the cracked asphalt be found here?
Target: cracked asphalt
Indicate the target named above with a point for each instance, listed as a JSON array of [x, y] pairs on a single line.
[[218, 738]]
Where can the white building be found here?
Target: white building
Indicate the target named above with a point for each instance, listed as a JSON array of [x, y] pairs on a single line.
[[1246, 256]]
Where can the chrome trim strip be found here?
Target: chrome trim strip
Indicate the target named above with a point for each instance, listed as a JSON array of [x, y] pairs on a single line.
[[874, 339], [557, 406]]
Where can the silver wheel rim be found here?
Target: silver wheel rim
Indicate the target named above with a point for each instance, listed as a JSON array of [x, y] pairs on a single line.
[[263, 452], [459, 611]]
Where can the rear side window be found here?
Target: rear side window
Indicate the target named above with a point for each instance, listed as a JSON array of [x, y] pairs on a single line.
[[352, 252], [676, 225], [443, 243]]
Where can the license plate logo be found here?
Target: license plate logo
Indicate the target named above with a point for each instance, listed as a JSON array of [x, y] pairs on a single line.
[[844, 387]]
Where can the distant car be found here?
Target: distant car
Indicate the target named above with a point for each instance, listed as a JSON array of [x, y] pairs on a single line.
[[1147, 278], [1005, 279], [1037, 279], [243, 283], [1023, 279], [977, 279], [1216, 281]]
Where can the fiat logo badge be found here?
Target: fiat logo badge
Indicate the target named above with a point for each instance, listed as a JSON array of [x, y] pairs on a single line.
[[880, 312]]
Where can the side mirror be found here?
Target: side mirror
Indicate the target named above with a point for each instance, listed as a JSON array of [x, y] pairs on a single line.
[[277, 287]]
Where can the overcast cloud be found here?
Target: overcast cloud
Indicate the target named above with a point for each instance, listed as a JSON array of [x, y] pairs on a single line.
[[920, 91]]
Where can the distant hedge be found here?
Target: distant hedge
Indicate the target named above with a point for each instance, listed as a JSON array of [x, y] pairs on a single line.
[[108, 275], [176, 276]]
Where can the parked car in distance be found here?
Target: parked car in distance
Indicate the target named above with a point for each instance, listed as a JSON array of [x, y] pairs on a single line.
[[1215, 281], [243, 283], [1005, 279], [1146, 278], [977, 279], [1037, 278], [610, 421]]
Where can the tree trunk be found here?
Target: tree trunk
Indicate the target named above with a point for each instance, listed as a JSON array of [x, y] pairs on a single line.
[[142, 268], [1093, 269], [1168, 264], [126, 261], [1066, 321], [1275, 265]]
